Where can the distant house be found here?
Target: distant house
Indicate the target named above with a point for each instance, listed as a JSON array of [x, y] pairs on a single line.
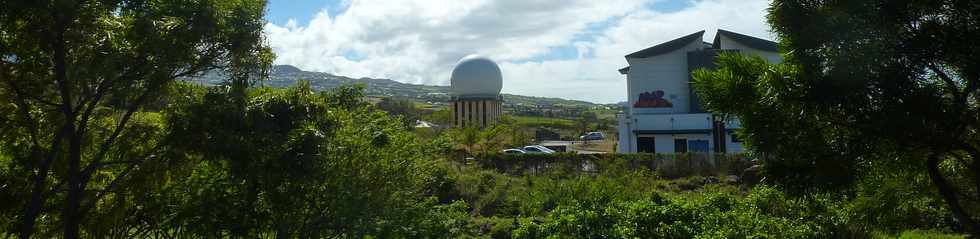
[[663, 114]]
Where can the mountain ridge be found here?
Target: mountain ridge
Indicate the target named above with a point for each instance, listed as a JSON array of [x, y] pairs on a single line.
[[288, 75]]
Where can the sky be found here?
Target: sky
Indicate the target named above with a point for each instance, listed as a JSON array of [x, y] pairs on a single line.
[[570, 49]]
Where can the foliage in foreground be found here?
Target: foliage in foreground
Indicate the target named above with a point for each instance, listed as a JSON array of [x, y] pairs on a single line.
[[624, 202], [865, 87], [291, 163], [330, 165], [75, 79], [297, 163]]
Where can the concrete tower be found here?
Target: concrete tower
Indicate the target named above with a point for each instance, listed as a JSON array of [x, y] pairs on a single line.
[[475, 89]]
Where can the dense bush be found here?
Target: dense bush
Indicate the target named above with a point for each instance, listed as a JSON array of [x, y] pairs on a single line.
[[303, 164], [297, 163], [763, 213], [623, 201], [270, 163], [666, 165]]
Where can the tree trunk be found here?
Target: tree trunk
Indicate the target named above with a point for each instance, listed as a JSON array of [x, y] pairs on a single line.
[[71, 217], [949, 195], [37, 200], [75, 188]]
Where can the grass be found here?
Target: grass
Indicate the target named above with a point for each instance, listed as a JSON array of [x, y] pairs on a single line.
[[607, 145], [917, 234], [531, 121], [622, 200]]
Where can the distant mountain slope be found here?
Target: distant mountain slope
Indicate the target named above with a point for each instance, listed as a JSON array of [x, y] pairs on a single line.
[[286, 75]]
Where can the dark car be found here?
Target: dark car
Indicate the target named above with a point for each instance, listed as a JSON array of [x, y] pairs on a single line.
[[592, 136]]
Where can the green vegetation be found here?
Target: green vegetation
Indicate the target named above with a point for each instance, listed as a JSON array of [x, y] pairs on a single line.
[[537, 121], [617, 199], [867, 89], [868, 130], [76, 77]]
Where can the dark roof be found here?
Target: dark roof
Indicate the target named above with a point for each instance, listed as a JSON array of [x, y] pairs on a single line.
[[666, 46], [624, 70], [753, 42]]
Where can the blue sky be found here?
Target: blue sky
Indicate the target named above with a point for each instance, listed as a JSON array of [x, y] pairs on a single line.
[[302, 11], [561, 48]]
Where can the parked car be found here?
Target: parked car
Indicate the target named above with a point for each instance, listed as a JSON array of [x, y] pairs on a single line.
[[537, 149], [592, 136], [513, 151]]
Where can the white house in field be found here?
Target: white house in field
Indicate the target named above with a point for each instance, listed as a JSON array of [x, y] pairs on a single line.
[[664, 114]]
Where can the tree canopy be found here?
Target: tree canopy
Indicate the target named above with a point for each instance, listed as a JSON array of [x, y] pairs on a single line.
[[864, 84], [77, 75]]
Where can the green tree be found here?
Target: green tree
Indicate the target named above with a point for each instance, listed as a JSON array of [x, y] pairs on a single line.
[[298, 164], [442, 116], [492, 138], [586, 122], [401, 108], [468, 137], [863, 84], [519, 136], [76, 73]]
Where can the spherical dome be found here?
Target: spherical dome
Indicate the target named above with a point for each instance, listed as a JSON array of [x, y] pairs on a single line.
[[476, 76]]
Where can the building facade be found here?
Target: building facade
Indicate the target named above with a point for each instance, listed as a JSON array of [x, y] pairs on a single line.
[[664, 114]]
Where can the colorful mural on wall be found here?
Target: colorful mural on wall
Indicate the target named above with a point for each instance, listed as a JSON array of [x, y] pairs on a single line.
[[652, 100]]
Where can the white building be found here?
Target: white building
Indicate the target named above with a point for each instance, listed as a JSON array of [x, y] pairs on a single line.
[[664, 114]]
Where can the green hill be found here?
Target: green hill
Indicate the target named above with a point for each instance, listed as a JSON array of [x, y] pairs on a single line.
[[286, 75]]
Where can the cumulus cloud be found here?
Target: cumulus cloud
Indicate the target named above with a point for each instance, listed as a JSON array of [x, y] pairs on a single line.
[[419, 41]]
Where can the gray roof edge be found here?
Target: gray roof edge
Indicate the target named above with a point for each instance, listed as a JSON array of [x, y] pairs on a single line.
[[750, 41], [667, 46], [624, 70]]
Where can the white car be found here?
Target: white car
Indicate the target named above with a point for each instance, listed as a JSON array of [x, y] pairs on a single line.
[[513, 151], [537, 149]]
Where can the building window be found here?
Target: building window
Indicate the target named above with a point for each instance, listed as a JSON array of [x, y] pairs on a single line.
[[680, 145], [698, 146], [645, 145], [736, 138]]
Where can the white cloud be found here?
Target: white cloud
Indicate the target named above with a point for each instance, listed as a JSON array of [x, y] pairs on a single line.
[[419, 41]]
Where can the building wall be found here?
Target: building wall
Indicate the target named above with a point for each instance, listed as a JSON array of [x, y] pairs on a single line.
[[664, 143], [667, 72], [627, 139], [670, 73], [672, 121], [732, 146], [728, 43]]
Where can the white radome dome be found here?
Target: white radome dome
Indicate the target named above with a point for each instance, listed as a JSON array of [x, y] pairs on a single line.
[[476, 76]]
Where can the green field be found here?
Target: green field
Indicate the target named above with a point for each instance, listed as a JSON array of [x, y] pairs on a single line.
[[538, 121]]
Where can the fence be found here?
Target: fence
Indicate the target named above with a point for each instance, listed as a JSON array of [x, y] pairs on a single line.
[[667, 165]]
